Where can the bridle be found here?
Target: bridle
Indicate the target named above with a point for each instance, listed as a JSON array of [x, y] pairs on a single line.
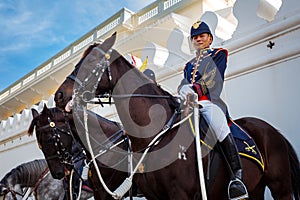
[[61, 152], [82, 92], [13, 193]]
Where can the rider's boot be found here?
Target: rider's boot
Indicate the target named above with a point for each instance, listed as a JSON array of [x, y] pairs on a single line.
[[236, 188]]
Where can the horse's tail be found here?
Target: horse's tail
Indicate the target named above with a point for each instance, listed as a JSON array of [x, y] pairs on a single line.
[[295, 170]]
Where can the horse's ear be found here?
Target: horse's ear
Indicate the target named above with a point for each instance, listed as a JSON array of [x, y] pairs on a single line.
[[33, 122], [45, 110], [34, 113], [109, 42]]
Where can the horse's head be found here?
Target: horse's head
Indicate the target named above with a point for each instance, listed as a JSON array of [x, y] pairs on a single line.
[[54, 139], [90, 70]]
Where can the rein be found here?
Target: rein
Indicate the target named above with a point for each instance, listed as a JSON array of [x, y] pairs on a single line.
[[125, 185], [109, 143], [137, 95], [123, 96], [43, 175], [13, 193], [156, 140]]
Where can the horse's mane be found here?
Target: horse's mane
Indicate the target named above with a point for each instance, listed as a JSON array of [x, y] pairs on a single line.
[[85, 53], [89, 49], [31, 126], [26, 174]]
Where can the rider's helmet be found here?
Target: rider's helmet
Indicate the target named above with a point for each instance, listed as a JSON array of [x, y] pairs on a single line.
[[199, 27], [150, 74]]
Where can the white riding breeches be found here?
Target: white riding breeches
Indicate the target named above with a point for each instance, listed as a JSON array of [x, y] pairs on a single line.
[[215, 118]]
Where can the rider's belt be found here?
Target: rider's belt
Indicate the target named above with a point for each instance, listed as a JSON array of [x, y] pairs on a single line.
[[204, 97], [200, 88]]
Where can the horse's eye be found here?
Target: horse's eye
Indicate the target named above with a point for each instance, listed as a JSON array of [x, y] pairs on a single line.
[[50, 139]]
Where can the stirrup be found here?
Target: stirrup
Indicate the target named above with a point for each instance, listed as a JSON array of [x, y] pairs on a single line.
[[244, 196]]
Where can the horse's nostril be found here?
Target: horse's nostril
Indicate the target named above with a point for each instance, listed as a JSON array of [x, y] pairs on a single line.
[[59, 96]]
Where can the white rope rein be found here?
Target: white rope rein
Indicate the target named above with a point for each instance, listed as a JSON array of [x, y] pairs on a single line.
[[126, 185], [199, 153], [85, 116]]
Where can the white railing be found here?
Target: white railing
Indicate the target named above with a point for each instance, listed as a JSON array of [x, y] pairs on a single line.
[[62, 57], [170, 3], [148, 15], [44, 69], [14, 88], [83, 44], [28, 79], [109, 27], [5, 94]]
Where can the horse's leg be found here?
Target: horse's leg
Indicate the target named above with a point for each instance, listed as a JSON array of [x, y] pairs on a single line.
[[275, 154], [252, 176], [278, 177], [219, 183]]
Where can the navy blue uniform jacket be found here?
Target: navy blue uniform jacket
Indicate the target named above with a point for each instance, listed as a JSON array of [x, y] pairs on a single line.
[[211, 69]]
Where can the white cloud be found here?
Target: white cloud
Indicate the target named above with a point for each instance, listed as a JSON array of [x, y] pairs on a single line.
[[34, 21], [34, 30], [23, 25]]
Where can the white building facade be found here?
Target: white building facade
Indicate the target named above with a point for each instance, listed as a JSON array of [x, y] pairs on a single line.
[[262, 37]]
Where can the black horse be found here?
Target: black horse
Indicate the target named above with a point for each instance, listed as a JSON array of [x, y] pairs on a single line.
[[56, 133], [145, 109]]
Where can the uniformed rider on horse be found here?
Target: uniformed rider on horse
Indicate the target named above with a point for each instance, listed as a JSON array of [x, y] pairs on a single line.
[[204, 75]]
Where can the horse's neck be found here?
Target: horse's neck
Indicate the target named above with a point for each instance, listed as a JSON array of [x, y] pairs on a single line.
[[142, 117], [99, 128], [16, 179], [28, 174]]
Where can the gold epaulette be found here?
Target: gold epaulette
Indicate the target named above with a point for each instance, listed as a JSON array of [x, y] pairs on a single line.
[[221, 49]]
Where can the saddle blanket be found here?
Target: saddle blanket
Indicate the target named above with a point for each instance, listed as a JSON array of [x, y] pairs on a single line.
[[245, 143]]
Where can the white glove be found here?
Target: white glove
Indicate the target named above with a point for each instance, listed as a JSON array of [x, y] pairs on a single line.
[[69, 106], [186, 90]]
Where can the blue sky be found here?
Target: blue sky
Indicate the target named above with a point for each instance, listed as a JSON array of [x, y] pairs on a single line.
[[32, 31]]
